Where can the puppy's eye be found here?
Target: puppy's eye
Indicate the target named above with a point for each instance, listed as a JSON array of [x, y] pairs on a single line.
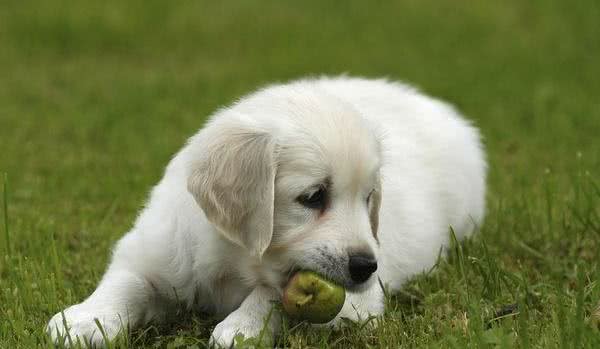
[[315, 200]]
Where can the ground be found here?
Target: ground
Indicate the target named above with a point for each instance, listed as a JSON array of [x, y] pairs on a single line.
[[96, 96]]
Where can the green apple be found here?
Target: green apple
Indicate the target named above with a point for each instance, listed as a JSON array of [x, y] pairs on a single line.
[[308, 296]]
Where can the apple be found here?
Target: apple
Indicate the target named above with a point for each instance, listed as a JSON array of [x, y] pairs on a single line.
[[308, 296]]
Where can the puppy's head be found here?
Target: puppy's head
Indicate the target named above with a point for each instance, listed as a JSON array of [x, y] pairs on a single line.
[[300, 192]]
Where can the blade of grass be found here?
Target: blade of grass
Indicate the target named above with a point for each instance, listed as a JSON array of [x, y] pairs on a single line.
[[6, 231], [107, 343]]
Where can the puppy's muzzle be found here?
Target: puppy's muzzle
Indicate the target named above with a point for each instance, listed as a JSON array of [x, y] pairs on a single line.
[[361, 267]]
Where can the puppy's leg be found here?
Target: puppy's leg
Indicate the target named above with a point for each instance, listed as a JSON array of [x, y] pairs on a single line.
[[255, 314], [359, 306], [123, 299]]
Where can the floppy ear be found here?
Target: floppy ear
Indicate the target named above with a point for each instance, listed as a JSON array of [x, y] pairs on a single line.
[[233, 182], [374, 205]]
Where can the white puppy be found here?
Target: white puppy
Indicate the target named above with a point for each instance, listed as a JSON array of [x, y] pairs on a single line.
[[342, 176]]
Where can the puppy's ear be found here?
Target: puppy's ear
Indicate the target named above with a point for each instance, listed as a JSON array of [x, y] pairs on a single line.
[[233, 182], [374, 205]]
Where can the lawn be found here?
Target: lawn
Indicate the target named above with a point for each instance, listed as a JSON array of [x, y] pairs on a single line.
[[96, 96]]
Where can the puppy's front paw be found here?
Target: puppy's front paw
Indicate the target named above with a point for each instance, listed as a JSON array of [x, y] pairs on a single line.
[[361, 307], [223, 336], [78, 323]]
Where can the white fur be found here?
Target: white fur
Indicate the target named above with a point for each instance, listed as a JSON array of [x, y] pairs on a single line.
[[223, 230]]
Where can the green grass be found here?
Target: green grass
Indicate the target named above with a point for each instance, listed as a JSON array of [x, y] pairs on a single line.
[[96, 96]]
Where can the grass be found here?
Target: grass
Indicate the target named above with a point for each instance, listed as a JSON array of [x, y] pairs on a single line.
[[96, 96]]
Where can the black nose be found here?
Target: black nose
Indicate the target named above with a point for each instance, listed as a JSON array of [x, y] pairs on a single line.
[[361, 267]]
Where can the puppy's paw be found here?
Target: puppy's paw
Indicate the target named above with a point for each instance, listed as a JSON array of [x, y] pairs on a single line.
[[80, 323], [360, 308], [238, 323]]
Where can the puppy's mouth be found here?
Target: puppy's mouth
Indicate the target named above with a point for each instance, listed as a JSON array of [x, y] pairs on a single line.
[[349, 285], [358, 288], [289, 275]]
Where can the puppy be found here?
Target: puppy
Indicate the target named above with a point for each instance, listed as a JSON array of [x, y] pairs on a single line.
[[355, 179]]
